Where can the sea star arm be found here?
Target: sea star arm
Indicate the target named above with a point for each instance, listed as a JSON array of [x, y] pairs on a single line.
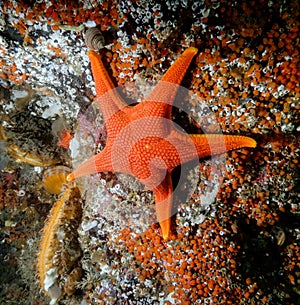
[[194, 146], [107, 97], [213, 144], [96, 164], [177, 71], [163, 204], [163, 95]]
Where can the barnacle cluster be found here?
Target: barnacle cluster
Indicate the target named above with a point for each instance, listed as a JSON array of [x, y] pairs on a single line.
[[246, 71]]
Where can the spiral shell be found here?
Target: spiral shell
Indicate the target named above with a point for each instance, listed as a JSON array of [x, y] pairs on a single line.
[[94, 39], [60, 251], [54, 179]]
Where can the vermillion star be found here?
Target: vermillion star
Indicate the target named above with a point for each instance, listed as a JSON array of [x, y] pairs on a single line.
[[142, 139]]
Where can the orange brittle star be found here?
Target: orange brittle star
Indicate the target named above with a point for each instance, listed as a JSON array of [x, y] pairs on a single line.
[[142, 139]]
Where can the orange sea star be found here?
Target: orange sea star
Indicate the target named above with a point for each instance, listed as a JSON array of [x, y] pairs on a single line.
[[143, 141]]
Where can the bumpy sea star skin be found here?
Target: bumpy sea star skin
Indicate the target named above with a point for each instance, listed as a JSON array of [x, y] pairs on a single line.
[[143, 141]]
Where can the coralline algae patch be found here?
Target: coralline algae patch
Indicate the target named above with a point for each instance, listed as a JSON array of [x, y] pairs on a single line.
[[241, 247]]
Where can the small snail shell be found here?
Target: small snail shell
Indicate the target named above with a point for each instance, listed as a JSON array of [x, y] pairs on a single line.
[[94, 39], [279, 235], [54, 179]]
